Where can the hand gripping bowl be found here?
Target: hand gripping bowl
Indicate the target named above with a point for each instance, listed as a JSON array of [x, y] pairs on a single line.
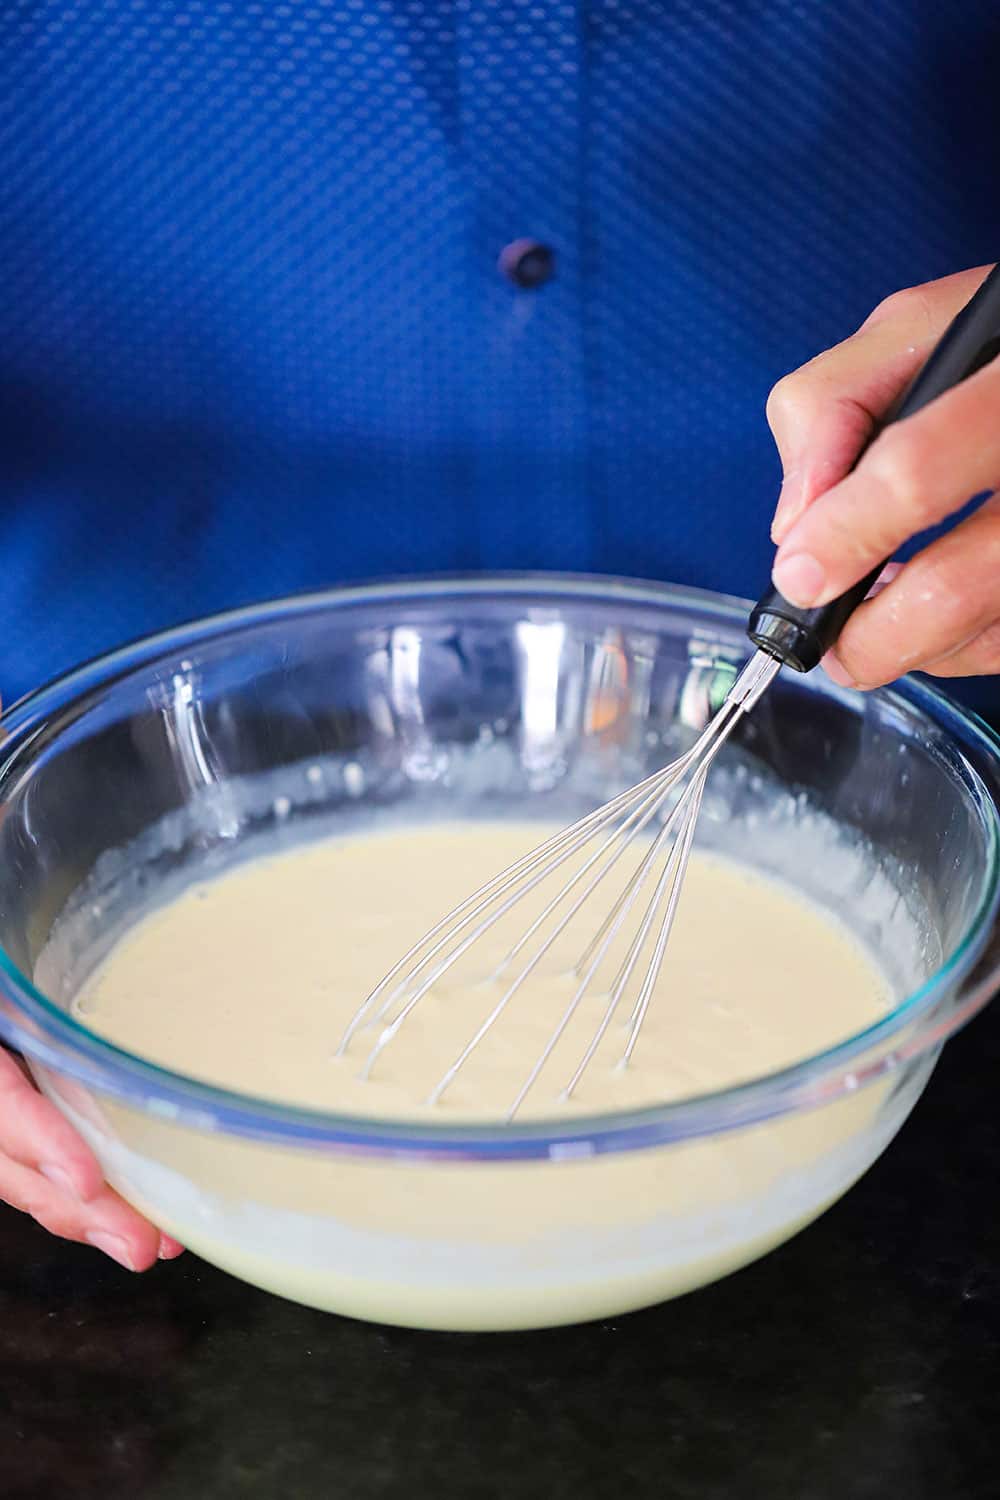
[[542, 696]]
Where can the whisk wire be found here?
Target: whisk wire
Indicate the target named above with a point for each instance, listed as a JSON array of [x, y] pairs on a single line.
[[466, 911], [621, 911], [639, 818], [428, 960], [653, 972], [618, 916], [576, 838]]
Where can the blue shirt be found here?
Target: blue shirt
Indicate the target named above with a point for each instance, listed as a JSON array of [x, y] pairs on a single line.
[[253, 335]]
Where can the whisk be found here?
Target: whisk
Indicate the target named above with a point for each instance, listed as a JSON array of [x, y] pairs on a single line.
[[671, 798]]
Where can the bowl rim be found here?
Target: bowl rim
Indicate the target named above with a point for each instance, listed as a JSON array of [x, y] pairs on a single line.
[[68, 1047]]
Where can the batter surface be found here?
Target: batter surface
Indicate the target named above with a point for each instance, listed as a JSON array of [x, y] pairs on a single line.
[[249, 981]]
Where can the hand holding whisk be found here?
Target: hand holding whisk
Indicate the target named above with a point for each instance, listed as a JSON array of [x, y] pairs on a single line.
[[669, 800]]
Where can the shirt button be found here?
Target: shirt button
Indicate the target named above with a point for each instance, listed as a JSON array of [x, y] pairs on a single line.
[[527, 263]]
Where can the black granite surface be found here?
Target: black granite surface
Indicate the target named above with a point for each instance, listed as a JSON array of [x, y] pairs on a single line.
[[860, 1360]]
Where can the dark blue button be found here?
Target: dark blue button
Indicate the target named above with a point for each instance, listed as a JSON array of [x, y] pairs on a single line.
[[527, 263]]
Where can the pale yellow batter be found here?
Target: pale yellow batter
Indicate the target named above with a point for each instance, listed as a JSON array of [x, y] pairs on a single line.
[[249, 981]]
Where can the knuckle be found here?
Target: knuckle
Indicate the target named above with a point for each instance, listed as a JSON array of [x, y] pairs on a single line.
[[914, 307], [862, 658], [62, 1225], [13, 1083], [898, 304], [24, 1197], [936, 580], [898, 462], [53, 1224], [987, 649], [795, 401], [864, 666], [784, 397]]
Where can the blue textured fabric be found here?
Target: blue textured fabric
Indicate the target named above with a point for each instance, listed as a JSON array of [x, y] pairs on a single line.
[[252, 333]]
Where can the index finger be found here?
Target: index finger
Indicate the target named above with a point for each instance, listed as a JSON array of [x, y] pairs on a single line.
[[823, 414], [917, 473]]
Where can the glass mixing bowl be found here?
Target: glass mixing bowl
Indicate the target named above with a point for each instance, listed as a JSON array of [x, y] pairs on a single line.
[[169, 759]]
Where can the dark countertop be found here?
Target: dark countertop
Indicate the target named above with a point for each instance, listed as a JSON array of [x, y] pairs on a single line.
[[860, 1360]]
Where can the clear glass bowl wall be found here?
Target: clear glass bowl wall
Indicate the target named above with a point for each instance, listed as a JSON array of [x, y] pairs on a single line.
[[540, 696]]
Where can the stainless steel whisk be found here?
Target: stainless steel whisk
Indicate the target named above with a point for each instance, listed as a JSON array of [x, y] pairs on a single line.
[[784, 636]]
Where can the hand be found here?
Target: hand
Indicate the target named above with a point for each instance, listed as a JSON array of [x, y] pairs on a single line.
[[47, 1171], [940, 612], [50, 1173]]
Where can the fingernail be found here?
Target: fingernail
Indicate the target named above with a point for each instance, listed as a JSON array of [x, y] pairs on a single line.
[[169, 1248], [59, 1177], [800, 578], [888, 573], [836, 671], [788, 508], [113, 1245]]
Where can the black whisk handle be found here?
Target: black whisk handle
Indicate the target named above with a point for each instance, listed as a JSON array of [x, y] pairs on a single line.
[[800, 638]]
